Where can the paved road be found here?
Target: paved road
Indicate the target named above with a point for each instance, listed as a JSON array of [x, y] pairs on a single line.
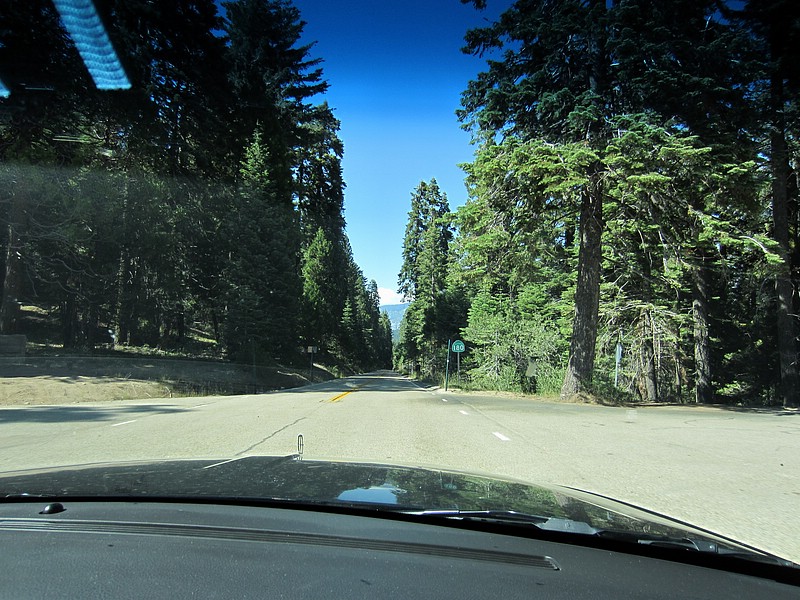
[[737, 473]]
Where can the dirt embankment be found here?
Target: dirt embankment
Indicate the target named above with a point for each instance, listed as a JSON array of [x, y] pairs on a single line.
[[36, 380]]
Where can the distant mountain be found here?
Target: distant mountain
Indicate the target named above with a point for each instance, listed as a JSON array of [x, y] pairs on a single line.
[[395, 312]]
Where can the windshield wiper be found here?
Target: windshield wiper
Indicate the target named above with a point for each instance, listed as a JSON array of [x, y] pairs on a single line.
[[511, 516], [556, 524]]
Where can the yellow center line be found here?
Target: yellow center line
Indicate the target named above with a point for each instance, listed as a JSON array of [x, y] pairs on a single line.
[[343, 394], [340, 396]]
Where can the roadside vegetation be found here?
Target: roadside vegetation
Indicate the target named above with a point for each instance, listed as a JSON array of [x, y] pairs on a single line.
[[199, 213], [634, 193]]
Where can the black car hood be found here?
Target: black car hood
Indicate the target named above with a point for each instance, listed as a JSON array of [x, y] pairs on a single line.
[[382, 487]]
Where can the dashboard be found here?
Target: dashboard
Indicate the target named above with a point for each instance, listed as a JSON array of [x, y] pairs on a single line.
[[182, 550]]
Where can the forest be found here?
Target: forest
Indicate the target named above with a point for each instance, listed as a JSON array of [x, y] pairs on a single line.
[[632, 229], [199, 210]]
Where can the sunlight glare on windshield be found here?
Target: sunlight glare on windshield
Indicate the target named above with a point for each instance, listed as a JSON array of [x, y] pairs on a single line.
[[83, 24]]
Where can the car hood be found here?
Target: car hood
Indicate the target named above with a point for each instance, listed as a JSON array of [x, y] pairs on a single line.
[[382, 487]]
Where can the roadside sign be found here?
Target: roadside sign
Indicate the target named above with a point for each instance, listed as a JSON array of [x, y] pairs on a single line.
[[312, 350], [458, 346]]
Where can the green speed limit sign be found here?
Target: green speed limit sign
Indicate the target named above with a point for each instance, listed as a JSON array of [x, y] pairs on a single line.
[[458, 346]]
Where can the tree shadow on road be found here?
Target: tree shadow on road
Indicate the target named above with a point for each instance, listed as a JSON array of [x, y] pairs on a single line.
[[73, 413], [778, 411], [378, 381]]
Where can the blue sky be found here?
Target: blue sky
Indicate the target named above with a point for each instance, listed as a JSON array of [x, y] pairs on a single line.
[[396, 75]]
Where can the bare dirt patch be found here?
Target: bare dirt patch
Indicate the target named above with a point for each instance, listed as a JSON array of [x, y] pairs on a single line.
[[38, 380], [75, 390]]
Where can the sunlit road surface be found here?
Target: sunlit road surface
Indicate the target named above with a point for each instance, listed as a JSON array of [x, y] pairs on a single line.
[[735, 473]]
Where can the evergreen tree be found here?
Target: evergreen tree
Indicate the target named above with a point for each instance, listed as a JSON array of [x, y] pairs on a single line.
[[775, 26], [270, 74], [554, 85], [383, 342], [319, 175], [263, 281], [511, 350], [323, 302], [157, 216], [424, 272], [33, 48], [574, 76]]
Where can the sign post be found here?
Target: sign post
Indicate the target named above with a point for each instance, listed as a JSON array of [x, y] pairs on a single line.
[[311, 350], [447, 367], [458, 347]]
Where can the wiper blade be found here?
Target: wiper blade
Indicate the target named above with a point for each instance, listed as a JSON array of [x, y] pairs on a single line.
[[454, 513], [511, 516], [559, 525], [687, 543], [695, 544]]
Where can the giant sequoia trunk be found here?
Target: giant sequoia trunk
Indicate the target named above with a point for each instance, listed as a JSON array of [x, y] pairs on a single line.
[[587, 295]]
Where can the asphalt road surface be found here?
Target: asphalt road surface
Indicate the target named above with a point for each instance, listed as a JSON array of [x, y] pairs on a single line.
[[733, 472]]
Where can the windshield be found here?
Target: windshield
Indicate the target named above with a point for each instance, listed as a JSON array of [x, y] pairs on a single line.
[[553, 242]]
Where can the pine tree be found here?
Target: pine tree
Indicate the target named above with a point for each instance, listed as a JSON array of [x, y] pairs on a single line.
[[263, 281], [319, 176], [424, 272], [554, 85], [33, 48], [323, 301], [775, 25], [570, 75], [271, 75]]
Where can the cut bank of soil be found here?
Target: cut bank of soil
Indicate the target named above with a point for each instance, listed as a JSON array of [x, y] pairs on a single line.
[[36, 380]]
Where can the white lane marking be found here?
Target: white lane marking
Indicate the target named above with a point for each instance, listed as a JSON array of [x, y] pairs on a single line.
[[463, 412], [200, 405], [444, 400], [501, 437], [124, 423], [224, 462]]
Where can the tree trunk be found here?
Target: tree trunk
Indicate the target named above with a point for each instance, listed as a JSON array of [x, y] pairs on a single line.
[[569, 235], [680, 356], [787, 345], [91, 326], [69, 320], [12, 282], [181, 323], [580, 366], [121, 312], [215, 324], [649, 374], [587, 295], [704, 393]]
